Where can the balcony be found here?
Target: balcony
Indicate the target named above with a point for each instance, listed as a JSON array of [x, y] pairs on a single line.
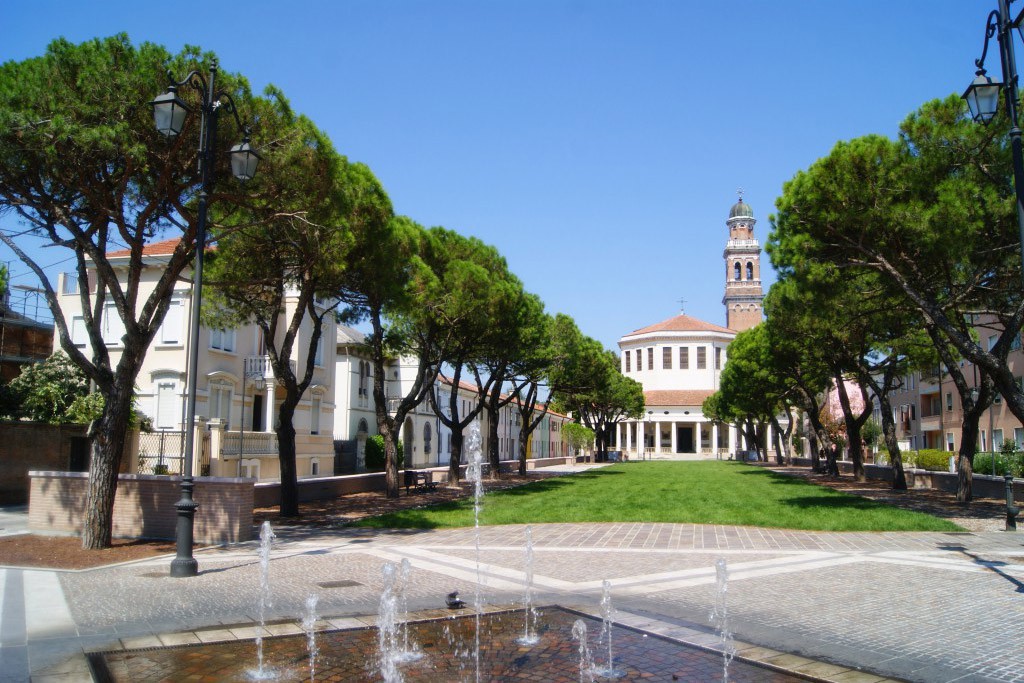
[[259, 367], [931, 423]]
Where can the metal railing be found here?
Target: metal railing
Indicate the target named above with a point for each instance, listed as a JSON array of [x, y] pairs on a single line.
[[161, 452], [250, 443]]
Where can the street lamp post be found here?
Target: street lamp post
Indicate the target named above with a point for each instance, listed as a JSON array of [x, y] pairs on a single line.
[[982, 97], [169, 115]]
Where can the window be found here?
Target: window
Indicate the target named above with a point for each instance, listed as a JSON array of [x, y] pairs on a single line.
[[684, 357], [950, 445], [627, 361], [364, 371], [220, 402], [314, 467], [78, 334], [702, 357], [949, 402], [426, 438], [997, 439], [168, 405], [639, 360], [984, 442], [113, 326], [718, 358], [650, 358], [736, 271], [666, 357], [318, 355], [222, 340], [171, 328], [750, 270], [1018, 437], [913, 412], [314, 415], [992, 340]]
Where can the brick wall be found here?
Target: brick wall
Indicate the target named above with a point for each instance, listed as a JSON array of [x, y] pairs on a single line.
[[32, 446], [144, 506]]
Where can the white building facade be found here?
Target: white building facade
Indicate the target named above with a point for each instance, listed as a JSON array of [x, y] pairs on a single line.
[[236, 392]]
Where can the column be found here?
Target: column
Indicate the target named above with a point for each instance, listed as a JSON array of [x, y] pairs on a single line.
[[714, 440], [270, 419], [640, 440], [732, 439], [197, 445], [657, 436], [672, 437], [218, 468]]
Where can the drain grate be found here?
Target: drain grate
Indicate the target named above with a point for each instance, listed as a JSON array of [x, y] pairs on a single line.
[[345, 583]]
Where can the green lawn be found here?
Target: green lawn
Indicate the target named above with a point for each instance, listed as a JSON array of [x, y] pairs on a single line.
[[708, 492]]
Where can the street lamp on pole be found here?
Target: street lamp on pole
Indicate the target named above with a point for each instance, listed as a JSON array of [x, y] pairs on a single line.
[[982, 97], [169, 114]]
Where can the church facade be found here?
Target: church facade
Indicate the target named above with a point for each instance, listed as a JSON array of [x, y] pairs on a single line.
[[679, 361]]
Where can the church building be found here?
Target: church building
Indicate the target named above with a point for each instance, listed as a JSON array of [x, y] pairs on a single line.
[[679, 361]]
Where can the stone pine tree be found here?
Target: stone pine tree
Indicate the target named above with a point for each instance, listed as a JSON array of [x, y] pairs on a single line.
[[83, 167], [932, 213], [282, 270]]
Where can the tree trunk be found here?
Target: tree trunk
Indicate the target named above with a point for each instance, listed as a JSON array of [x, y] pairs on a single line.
[[965, 483], [108, 439], [899, 477], [286, 458], [493, 451], [455, 461], [524, 439]]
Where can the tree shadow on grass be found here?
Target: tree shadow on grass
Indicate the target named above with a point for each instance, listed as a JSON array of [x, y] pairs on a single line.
[[841, 502]]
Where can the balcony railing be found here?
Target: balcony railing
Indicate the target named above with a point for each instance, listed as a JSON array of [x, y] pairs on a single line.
[[236, 444], [259, 367]]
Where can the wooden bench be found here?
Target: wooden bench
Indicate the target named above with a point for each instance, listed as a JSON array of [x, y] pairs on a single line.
[[421, 480]]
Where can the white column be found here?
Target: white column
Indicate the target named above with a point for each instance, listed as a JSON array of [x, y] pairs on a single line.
[[714, 439], [732, 439], [657, 436], [271, 417], [672, 437], [640, 441]]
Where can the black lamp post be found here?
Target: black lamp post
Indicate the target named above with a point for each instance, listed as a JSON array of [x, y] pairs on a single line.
[[982, 96], [169, 114]]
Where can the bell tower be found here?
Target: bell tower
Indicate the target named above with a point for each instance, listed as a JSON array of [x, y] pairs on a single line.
[[743, 293]]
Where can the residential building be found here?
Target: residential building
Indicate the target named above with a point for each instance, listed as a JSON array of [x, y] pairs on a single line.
[[236, 390]]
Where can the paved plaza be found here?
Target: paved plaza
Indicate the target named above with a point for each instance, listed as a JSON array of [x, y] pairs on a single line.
[[914, 606]]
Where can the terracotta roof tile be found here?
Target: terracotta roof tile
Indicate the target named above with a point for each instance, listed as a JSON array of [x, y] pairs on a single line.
[[686, 397], [160, 248], [681, 323]]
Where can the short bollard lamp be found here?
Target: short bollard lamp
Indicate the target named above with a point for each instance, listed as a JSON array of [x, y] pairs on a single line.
[[1011, 510], [169, 116]]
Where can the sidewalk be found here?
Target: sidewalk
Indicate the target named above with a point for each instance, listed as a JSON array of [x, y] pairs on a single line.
[[927, 607]]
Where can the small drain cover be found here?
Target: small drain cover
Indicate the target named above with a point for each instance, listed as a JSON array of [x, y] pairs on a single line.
[[346, 583]]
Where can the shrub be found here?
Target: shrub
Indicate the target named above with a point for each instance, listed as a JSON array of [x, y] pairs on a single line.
[[932, 459], [375, 453]]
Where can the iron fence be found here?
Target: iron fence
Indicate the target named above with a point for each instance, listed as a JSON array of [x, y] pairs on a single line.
[[162, 452]]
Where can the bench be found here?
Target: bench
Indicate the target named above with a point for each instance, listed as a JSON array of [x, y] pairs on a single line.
[[421, 480]]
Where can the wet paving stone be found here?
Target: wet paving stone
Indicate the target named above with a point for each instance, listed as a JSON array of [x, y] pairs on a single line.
[[447, 647]]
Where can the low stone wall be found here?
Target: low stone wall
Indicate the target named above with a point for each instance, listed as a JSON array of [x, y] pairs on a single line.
[[144, 506], [268, 494], [984, 485]]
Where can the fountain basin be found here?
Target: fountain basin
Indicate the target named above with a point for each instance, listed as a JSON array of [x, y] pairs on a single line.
[[447, 644]]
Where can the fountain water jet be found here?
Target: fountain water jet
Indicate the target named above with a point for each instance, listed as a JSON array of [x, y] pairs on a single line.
[[607, 614], [264, 600], [392, 626], [720, 616], [309, 626], [579, 633], [475, 473], [529, 636]]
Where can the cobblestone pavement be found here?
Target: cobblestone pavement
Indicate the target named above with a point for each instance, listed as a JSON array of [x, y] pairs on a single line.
[[916, 606]]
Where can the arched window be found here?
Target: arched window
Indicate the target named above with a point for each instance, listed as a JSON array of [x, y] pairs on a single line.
[[363, 428], [426, 438], [363, 372], [750, 270], [736, 271]]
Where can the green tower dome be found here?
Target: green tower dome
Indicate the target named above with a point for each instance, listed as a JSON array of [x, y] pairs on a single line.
[[741, 210]]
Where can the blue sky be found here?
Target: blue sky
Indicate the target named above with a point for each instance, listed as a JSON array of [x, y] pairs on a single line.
[[598, 145]]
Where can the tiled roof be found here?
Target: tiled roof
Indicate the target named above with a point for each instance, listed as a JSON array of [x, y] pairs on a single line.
[[350, 335], [681, 323], [686, 397], [161, 248]]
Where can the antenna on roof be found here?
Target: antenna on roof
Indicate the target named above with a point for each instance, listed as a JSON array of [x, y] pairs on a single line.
[[682, 307]]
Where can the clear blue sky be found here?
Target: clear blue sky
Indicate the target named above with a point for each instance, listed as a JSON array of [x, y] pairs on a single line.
[[598, 145]]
